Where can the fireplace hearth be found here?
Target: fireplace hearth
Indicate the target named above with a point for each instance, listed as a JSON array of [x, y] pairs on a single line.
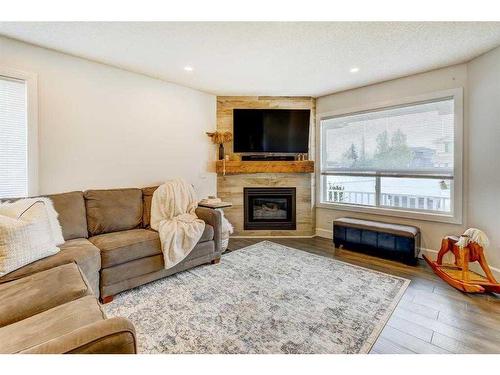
[[269, 208]]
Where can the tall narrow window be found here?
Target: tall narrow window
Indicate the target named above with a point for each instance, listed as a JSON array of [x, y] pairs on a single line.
[[13, 138], [399, 158]]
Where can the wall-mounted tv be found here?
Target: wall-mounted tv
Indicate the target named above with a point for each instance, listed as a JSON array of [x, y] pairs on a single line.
[[271, 130]]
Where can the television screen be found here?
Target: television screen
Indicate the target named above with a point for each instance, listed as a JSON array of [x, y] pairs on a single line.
[[271, 130]]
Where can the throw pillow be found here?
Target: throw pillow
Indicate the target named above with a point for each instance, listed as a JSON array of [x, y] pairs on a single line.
[[16, 208], [26, 237]]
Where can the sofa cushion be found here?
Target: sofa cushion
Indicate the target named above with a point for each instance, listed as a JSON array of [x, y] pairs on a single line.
[[203, 253], [143, 266], [113, 210], [147, 196], [72, 217], [71, 209], [79, 250], [42, 291], [50, 324], [108, 336], [122, 247]]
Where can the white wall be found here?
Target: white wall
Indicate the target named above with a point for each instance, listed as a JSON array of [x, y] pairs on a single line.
[[442, 79], [480, 80], [484, 149], [103, 127]]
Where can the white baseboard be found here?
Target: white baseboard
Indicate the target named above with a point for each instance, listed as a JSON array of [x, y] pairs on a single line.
[[272, 236], [431, 253], [324, 233]]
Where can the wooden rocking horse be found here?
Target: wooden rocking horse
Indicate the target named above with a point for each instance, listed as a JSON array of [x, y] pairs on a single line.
[[469, 247]]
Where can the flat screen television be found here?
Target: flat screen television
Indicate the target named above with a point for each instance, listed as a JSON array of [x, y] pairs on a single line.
[[271, 130]]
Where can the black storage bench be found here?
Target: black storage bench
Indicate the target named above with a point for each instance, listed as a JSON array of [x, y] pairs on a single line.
[[393, 241]]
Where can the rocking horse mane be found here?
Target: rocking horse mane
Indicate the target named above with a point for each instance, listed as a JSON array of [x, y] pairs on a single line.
[[473, 235]]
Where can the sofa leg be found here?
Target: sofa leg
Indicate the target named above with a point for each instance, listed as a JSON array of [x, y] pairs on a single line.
[[215, 261], [106, 299]]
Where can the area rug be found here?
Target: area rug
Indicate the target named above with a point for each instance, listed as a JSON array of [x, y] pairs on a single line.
[[265, 298]]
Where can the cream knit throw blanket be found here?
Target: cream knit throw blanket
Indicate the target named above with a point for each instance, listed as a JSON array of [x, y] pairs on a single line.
[[173, 216]]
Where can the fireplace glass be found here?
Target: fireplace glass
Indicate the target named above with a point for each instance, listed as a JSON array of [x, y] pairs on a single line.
[[269, 208]]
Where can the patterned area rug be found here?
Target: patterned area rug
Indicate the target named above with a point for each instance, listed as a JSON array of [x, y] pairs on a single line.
[[265, 298]]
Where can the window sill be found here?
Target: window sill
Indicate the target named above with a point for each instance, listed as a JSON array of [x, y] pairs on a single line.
[[424, 216]]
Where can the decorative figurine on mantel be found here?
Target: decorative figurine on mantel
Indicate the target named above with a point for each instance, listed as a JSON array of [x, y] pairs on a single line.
[[469, 247], [220, 138]]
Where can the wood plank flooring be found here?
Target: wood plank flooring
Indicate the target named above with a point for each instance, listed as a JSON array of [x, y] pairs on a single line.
[[431, 317]]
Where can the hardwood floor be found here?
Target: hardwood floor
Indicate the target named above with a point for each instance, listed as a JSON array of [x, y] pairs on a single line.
[[431, 317]]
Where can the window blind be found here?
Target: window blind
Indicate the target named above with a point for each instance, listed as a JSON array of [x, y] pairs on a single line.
[[13, 138], [411, 140]]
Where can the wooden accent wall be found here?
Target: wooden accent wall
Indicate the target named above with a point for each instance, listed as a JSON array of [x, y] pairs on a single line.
[[226, 104], [230, 187]]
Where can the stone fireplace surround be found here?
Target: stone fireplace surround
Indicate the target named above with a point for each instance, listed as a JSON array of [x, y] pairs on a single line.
[[230, 188]]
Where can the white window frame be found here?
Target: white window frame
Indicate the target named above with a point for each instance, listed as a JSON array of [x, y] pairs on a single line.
[[32, 122], [456, 216]]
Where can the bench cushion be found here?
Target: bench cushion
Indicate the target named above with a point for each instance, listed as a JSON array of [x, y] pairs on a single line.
[[113, 210], [377, 226], [40, 292]]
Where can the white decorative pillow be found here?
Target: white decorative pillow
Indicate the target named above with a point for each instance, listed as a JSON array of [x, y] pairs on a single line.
[[27, 236], [15, 209]]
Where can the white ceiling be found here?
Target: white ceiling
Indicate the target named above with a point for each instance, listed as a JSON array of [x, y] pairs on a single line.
[[267, 58]]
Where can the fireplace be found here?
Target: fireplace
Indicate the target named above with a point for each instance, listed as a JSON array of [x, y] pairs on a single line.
[[269, 208]]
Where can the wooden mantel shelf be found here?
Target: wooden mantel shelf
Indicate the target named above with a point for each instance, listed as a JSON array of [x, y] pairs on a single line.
[[237, 167]]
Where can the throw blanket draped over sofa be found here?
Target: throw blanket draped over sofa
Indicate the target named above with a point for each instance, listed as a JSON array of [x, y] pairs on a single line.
[[173, 216]]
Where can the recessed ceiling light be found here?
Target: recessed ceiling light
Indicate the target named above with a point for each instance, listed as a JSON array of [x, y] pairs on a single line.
[[188, 68], [354, 70]]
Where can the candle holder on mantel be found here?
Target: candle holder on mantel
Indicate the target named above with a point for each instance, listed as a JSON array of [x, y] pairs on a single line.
[[219, 138]]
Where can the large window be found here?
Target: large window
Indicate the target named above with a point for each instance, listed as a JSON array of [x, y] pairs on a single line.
[[394, 159], [17, 135]]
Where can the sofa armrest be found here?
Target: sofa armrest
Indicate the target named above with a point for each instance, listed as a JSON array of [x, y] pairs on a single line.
[[108, 336], [214, 218]]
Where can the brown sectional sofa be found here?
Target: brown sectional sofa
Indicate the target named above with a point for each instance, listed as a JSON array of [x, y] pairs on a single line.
[[108, 235], [54, 311], [118, 225], [109, 238]]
